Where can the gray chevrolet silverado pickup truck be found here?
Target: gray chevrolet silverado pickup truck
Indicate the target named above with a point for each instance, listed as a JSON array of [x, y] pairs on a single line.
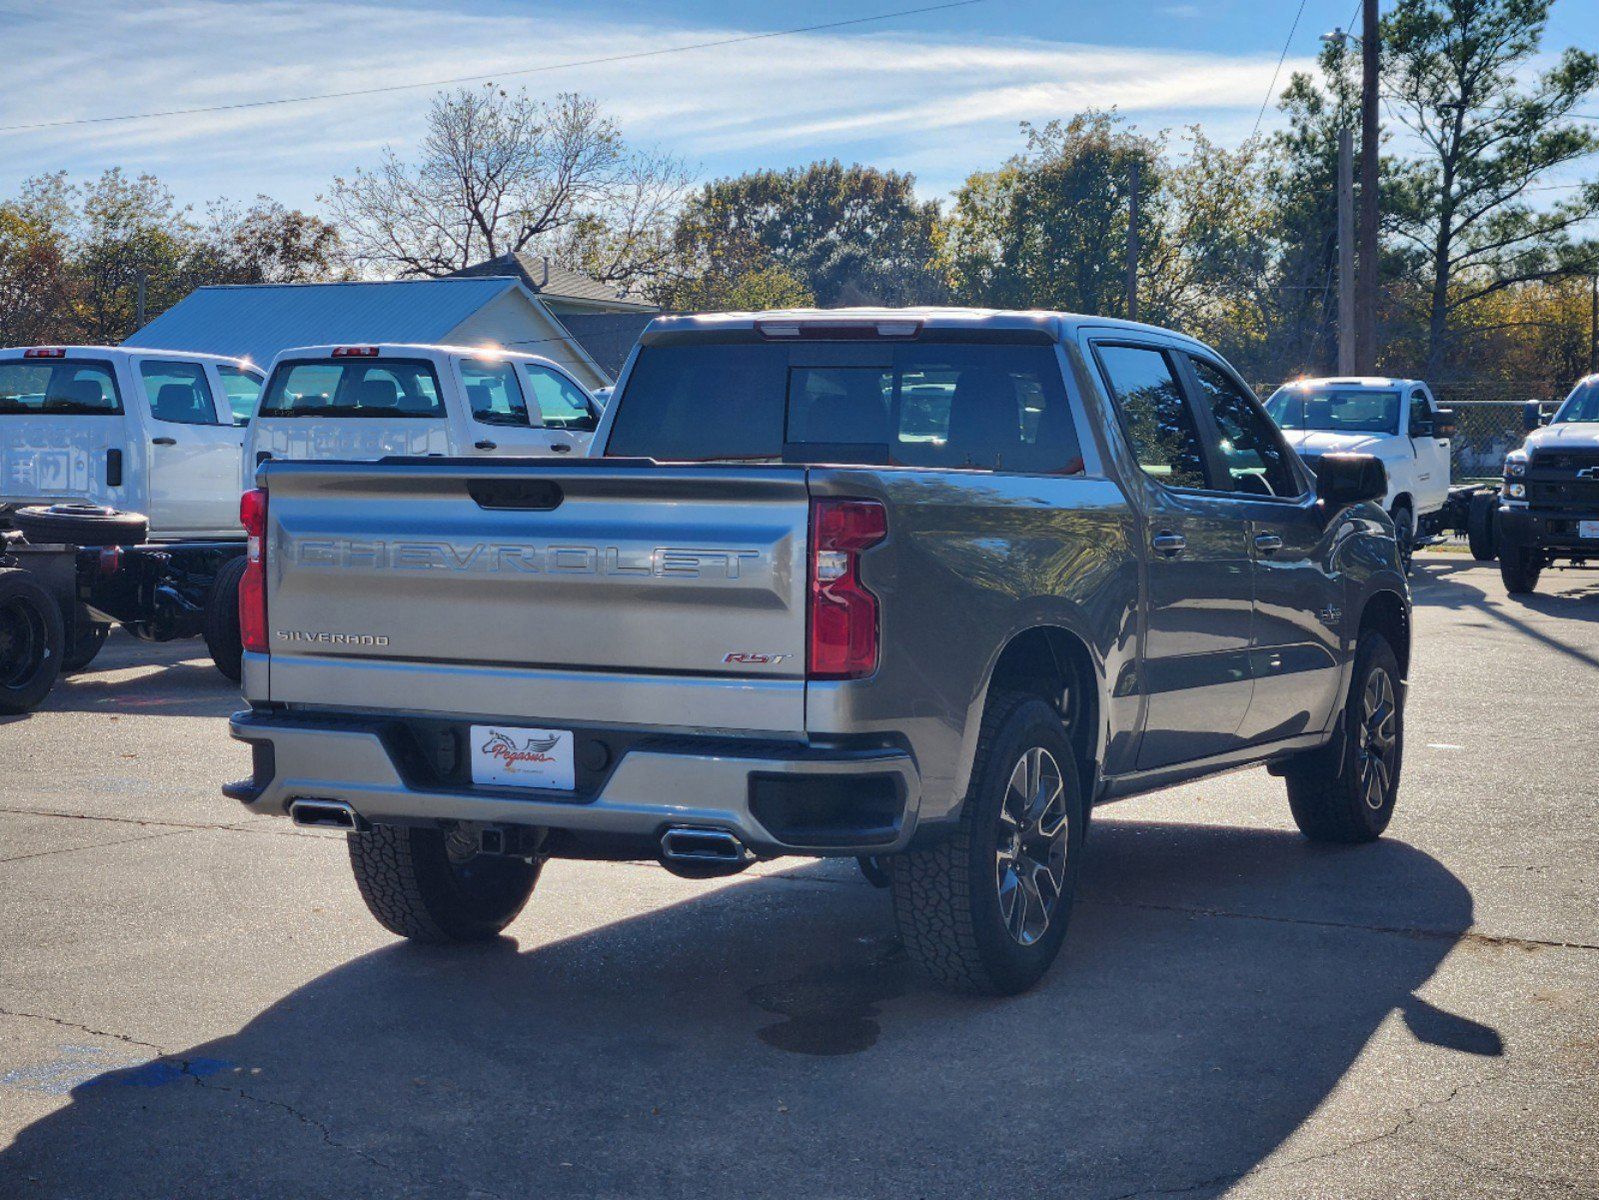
[[915, 587]]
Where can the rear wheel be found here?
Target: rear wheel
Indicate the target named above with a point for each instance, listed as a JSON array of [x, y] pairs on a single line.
[[31, 640], [1482, 526], [222, 637], [1519, 567], [985, 910], [1346, 791], [433, 886], [88, 639]]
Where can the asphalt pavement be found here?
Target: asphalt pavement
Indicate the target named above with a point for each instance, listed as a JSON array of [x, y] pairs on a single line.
[[194, 1002]]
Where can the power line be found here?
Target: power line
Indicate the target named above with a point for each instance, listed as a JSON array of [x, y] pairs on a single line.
[[434, 83], [1282, 58]]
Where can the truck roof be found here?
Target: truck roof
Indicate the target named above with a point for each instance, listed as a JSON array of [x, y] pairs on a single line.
[[390, 349], [1056, 325], [1357, 381], [121, 353]]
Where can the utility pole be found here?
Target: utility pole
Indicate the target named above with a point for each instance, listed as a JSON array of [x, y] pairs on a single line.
[[1132, 242], [1346, 253], [1366, 285], [1593, 328]]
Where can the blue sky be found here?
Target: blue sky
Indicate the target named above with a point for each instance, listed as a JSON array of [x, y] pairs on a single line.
[[939, 94]]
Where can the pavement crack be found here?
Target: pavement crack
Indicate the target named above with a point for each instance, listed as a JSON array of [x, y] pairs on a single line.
[[308, 1121], [81, 1028], [149, 837]]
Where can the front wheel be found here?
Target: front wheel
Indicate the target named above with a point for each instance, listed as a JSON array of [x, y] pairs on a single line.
[[221, 629], [1346, 791], [984, 911], [1405, 534], [1519, 567], [432, 886], [1482, 526]]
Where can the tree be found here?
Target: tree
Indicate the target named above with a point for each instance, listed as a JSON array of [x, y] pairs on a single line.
[[1049, 228], [34, 280], [499, 173], [1455, 74], [265, 243], [847, 235], [125, 229]]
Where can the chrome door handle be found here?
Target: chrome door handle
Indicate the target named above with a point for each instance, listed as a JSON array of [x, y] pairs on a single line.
[[1268, 543], [1168, 543], [560, 448]]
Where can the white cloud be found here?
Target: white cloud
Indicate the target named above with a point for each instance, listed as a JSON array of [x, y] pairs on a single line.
[[901, 99]]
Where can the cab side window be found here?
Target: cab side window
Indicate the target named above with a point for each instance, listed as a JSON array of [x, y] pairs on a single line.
[[1160, 425], [243, 389], [178, 393], [1250, 448], [1421, 419], [493, 393], [561, 403]]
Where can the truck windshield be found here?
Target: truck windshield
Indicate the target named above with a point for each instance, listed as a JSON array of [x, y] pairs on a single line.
[[1581, 405], [986, 407], [58, 388], [1335, 410], [381, 388]]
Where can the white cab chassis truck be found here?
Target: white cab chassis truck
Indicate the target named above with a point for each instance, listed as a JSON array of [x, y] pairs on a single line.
[[1398, 421], [119, 495], [361, 403]]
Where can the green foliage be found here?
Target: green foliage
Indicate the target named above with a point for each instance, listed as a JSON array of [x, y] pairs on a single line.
[[846, 235]]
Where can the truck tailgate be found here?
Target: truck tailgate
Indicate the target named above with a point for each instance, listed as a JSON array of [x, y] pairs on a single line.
[[582, 591]]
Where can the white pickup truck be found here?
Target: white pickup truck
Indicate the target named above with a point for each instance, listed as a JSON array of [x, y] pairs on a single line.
[[368, 402], [1397, 420]]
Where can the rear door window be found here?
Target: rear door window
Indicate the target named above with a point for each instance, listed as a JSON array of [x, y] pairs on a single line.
[[493, 394], [243, 389], [178, 393], [968, 406], [562, 405], [1160, 426], [382, 389], [58, 388]]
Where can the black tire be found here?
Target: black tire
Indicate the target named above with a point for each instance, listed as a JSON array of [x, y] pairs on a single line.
[[1405, 533], [221, 629], [1482, 526], [1346, 791], [88, 639], [81, 525], [416, 887], [948, 900], [31, 639], [1519, 567]]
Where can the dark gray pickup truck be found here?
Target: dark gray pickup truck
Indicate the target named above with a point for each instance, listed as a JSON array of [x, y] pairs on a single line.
[[916, 587]]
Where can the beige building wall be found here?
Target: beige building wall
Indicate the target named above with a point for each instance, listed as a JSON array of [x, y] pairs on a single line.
[[513, 322]]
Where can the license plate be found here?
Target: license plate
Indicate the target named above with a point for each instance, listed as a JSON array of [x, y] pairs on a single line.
[[507, 756], [1588, 529]]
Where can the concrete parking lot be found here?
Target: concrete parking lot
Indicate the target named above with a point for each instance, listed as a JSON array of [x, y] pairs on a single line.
[[195, 1002]]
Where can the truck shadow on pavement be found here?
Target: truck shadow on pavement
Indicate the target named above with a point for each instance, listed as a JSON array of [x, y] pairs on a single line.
[[769, 1038], [1452, 586]]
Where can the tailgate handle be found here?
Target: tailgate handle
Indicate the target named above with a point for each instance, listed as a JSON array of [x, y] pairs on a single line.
[[535, 495]]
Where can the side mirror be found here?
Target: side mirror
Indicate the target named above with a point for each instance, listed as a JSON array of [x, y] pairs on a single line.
[[1444, 426], [1345, 479], [1531, 416]]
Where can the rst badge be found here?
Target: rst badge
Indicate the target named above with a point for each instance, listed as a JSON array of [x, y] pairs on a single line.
[[746, 658]]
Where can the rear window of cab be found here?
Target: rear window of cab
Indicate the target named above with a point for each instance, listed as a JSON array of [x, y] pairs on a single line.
[[58, 388], [377, 388]]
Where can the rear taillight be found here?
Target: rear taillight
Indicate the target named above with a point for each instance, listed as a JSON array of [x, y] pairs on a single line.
[[252, 587], [843, 612]]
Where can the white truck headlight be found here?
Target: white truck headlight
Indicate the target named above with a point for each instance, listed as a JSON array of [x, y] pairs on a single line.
[[1515, 465]]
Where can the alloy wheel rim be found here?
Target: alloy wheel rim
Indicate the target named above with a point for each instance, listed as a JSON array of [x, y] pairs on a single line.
[[1378, 739], [1031, 846]]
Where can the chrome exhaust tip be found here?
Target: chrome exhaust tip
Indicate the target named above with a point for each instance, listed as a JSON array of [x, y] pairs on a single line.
[[325, 814], [703, 853]]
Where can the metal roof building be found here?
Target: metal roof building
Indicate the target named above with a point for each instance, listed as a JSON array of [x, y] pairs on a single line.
[[257, 321]]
